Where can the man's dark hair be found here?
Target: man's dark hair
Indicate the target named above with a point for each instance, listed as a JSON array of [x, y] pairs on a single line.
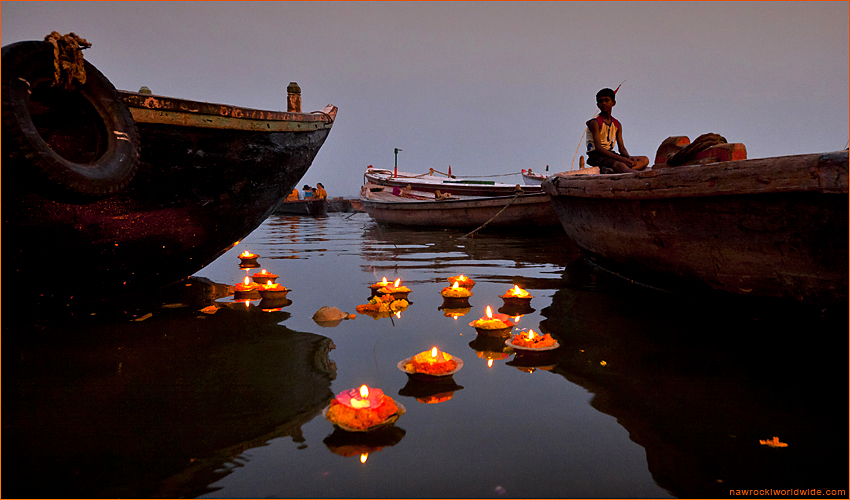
[[606, 92]]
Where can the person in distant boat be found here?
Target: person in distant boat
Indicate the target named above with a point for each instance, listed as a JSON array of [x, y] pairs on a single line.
[[308, 191], [293, 196], [603, 132], [320, 191]]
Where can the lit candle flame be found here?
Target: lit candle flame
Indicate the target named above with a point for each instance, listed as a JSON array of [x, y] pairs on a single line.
[[434, 353], [363, 457], [398, 314], [384, 281], [517, 291], [246, 281], [364, 391], [530, 334], [264, 272], [397, 282], [489, 312], [461, 278], [455, 285], [489, 363], [516, 319]]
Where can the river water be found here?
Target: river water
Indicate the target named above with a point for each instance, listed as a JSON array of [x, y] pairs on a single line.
[[650, 395]]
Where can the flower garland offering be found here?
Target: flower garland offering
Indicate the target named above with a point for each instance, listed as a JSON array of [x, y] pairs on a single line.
[[432, 362], [383, 303], [533, 340], [464, 281], [456, 292], [264, 277], [361, 409]]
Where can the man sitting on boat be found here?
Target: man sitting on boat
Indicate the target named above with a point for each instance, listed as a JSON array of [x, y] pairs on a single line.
[[602, 132]]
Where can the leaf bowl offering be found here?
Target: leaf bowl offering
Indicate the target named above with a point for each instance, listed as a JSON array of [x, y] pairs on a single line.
[[532, 342], [430, 365]]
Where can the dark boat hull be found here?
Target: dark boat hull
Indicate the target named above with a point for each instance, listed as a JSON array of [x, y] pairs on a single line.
[[303, 207], [527, 211], [208, 175], [775, 227]]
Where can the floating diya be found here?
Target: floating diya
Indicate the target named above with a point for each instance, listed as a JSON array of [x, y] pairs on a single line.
[[496, 325], [431, 363], [362, 410], [532, 342], [517, 296], [456, 292], [395, 289], [246, 289], [377, 286], [464, 281], [272, 290], [248, 258], [263, 277]]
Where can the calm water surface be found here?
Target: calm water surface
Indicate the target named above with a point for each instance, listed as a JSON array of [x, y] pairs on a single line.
[[650, 395]]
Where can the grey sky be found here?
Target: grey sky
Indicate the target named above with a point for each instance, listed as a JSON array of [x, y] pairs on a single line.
[[486, 87]]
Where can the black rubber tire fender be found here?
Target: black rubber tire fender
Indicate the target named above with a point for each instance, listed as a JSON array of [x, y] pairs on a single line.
[[30, 63]]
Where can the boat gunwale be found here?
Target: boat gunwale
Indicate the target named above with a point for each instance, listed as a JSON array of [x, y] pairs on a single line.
[[160, 103], [814, 172], [383, 175]]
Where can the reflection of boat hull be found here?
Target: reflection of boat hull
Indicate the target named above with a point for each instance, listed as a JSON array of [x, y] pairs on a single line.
[[773, 227], [155, 408], [700, 384], [519, 211], [455, 186], [208, 175]]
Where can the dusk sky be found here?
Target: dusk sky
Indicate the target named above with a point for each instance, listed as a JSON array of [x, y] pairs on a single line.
[[486, 87]]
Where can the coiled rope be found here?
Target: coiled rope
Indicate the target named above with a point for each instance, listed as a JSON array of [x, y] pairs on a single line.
[[68, 63]]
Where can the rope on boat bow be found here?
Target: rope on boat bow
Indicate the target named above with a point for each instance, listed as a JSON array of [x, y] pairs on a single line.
[[68, 64]]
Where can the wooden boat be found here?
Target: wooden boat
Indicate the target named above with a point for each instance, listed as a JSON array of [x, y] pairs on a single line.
[[309, 206], [531, 178], [771, 227], [109, 192], [423, 209], [453, 185]]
